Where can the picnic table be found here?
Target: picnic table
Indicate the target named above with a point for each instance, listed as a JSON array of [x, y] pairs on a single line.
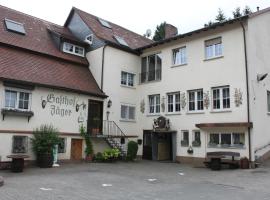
[[17, 163], [216, 159]]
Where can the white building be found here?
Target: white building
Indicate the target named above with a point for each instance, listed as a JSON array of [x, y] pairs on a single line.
[[211, 84]]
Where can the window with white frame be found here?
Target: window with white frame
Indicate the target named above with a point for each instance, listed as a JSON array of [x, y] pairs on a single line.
[[179, 56], [17, 99], [221, 98], [196, 138], [62, 145], [227, 139], [213, 48], [173, 102], [185, 138], [154, 104], [127, 79], [127, 112], [195, 100], [268, 101], [151, 68], [19, 144], [73, 49]]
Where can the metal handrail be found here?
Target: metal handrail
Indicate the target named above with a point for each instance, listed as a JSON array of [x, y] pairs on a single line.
[[110, 128]]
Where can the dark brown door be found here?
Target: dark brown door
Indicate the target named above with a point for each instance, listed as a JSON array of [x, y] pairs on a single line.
[[95, 117], [76, 149], [147, 145]]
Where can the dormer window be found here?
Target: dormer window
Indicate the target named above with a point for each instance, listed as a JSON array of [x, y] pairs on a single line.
[[120, 40], [14, 26], [73, 49], [104, 23]]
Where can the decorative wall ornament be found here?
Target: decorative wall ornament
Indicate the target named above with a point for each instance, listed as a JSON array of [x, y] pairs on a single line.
[[78, 105], [183, 101], [142, 106], [163, 104], [206, 99], [161, 124], [238, 97]]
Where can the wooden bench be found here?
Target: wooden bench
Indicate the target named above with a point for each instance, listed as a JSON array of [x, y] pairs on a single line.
[[216, 159]]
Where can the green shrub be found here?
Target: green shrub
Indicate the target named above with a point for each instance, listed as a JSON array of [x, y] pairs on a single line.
[[132, 150], [89, 146], [99, 157], [111, 154], [44, 140]]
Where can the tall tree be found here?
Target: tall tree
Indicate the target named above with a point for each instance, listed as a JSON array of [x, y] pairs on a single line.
[[247, 10], [237, 13], [159, 32], [220, 17]]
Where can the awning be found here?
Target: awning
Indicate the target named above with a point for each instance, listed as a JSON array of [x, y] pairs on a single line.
[[224, 125]]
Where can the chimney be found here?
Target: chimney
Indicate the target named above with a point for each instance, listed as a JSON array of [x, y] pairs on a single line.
[[170, 31], [258, 8]]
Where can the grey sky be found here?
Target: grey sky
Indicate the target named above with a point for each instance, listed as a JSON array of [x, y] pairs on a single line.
[[136, 15]]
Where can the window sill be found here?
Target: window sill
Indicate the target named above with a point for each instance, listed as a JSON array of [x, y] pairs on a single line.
[[153, 114], [127, 120], [213, 58], [226, 147], [220, 111], [179, 65], [126, 86], [154, 81], [173, 113], [16, 112], [195, 112]]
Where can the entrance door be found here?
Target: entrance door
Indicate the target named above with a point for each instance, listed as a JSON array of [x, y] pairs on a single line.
[[76, 149], [95, 117], [147, 145]]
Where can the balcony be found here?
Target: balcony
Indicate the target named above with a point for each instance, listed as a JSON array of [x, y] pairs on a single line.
[[154, 75]]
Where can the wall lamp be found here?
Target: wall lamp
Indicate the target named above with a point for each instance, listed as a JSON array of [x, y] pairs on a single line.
[[109, 104], [261, 77]]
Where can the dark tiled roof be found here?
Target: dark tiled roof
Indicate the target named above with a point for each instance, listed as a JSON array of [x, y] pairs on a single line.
[[133, 40], [19, 65], [37, 36]]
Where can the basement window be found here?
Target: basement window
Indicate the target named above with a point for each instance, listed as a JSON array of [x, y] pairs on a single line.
[[120, 40], [104, 23], [14, 26], [73, 49]]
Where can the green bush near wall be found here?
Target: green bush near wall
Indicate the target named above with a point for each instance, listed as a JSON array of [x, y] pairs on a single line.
[[132, 150]]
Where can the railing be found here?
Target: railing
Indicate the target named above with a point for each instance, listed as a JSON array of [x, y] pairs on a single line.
[[153, 75], [110, 128]]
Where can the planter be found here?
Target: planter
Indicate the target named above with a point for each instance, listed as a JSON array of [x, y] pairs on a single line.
[[45, 160], [89, 158]]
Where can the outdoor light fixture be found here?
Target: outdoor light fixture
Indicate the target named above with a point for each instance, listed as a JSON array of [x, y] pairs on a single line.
[[261, 77], [109, 104]]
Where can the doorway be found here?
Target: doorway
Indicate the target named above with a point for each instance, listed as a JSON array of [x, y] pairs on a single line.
[[76, 149], [95, 117]]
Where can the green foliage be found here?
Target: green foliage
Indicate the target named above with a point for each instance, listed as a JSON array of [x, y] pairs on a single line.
[[111, 154], [220, 16], [98, 157], [44, 140], [132, 150], [89, 146], [247, 10], [237, 13], [159, 32]]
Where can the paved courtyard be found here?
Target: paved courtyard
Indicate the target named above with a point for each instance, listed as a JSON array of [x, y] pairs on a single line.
[[138, 180]]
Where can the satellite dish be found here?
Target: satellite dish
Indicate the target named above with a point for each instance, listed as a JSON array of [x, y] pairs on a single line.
[[260, 77], [148, 33]]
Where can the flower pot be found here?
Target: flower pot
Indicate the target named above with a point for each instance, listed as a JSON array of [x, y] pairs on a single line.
[[45, 160], [89, 158]]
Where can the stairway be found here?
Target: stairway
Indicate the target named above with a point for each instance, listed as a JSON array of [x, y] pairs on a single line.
[[114, 143]]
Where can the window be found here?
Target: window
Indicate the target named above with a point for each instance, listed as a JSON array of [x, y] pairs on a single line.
[[268, 101], [120, 40], [104, 23], [73, 49], [195, 100], [127, 79], [17, 99], [127, 112], [179, 56], [173, 100], [213, 48], [154, 104], [227, 139], [62, 145], [185, 139], [196, 139], [19, 144], [151, 68], [221, 98], [14, 26]]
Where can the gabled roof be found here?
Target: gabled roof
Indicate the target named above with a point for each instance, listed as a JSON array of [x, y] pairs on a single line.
[[133, 40], [37, 36], [26, 67]]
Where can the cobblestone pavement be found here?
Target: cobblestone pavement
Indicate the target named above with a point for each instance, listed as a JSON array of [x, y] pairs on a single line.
[[138, 180]]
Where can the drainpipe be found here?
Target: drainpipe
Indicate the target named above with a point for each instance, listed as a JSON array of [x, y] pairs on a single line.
[[247, 88], [102, 66]]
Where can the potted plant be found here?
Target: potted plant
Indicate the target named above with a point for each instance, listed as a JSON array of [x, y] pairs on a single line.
[[89, 146], [43, 142], [196, 143], [111, 155]]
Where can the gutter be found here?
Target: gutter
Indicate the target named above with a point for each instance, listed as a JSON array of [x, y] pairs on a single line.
[[102, 67], [247, 88]]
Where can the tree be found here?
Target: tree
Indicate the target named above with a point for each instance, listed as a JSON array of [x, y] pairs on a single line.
[[246, 11], [210, 23], [220, 17], [237, 13], [159, 32]]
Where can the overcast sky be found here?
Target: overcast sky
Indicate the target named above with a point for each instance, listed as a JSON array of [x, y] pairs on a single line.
[[136, 15]]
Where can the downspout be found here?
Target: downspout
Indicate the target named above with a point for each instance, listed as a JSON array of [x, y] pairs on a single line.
[[102, 67], [247, 88]]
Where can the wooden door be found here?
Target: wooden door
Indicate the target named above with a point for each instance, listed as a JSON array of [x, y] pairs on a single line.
[[95, 117], [76, 149]]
